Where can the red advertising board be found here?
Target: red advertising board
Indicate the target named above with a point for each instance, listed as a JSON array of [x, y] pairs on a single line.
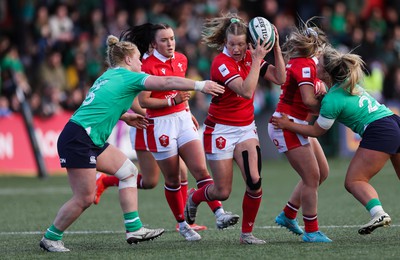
[[16, 154]]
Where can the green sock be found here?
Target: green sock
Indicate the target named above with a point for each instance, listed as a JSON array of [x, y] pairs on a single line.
[[372, 203], [53, 233], [374, 206], [132, 221]]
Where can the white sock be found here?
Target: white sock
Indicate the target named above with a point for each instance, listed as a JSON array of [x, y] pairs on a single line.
[[219, 212], [182, 224], [375, 210]]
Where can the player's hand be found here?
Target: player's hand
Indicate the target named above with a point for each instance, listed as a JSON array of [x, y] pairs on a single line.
[[135, 120], [182, 96], [213, 88], [280, 122]]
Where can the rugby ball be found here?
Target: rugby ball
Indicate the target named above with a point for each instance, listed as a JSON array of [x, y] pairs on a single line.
[[259, 27]]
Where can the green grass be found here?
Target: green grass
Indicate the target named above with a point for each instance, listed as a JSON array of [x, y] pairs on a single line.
[[29, 205]]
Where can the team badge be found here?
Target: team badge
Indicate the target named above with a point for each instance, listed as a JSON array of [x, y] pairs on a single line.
[[220, 142], [164, 140]]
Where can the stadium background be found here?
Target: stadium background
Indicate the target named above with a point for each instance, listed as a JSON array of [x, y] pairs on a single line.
[[54, 58]]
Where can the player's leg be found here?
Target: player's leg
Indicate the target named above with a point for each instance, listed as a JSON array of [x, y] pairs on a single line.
[[247, 155], [183, 172], [170, 169], [363, 167], [310, 176], [114, 162], [196, 163]]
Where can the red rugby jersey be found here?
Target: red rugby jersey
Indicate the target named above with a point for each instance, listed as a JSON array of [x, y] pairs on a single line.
[[230, 108], [158, 65], [299, 71]]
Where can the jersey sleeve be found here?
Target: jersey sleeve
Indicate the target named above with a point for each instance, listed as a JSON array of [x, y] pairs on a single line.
[[305, 73], [136, 80], [330, 107], [224, 71]]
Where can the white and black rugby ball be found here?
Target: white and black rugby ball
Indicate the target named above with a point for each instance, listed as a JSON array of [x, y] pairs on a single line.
[[259, 27]]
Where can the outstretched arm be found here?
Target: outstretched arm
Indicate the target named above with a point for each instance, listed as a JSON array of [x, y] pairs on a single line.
[[178, 83], [309, 130]]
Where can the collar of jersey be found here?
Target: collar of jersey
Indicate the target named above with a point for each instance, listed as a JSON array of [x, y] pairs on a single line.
[[161, 57]]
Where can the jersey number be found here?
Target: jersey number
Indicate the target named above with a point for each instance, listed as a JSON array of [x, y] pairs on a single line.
[[371, 107], [91, 94]]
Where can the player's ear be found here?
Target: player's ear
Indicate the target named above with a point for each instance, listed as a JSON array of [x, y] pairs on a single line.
[[128, 60]]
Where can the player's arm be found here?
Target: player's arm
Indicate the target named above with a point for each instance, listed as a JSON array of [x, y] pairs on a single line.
[[309, 98], [146, 101], [308, 130], [276, 73], [245, 88], [178, 83]]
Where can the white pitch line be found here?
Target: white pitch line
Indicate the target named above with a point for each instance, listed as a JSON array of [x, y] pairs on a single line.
[[167, 230]]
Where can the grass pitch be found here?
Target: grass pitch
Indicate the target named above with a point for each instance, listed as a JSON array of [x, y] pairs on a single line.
[[29, 205]]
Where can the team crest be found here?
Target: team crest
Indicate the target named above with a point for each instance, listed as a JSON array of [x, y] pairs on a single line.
[[180, 65], [164, 140], [220, 142]]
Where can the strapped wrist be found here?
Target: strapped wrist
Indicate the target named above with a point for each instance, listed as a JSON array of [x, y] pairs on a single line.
[[199, 85]]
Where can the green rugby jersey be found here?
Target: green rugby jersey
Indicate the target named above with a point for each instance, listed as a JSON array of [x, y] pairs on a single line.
[[110, 96], [354, 111]]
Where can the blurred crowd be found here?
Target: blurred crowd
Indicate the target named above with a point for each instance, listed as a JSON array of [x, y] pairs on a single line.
[[54, 49]]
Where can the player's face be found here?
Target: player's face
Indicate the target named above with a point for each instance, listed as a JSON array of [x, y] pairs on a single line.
[[237, 46], [165, 42], [135, 63]]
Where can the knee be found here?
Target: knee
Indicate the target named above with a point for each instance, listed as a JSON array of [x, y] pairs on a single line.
[[348, 185], [148, 185], [127, 175], [222, 193], [86, 201], [323, 176]]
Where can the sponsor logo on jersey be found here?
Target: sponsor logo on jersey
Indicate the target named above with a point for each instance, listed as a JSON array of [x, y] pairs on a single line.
[[164, 140], [223, 69], [306, 72], [163, 71]]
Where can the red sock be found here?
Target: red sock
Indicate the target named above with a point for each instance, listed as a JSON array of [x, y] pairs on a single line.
[[215, 204], [310, 223], [291, 210], [174, 199], [110, 181], [250, 206], [184, 190]]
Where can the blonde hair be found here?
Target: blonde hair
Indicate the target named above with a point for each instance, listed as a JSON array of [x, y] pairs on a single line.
[[343, 68], [118, 50], [305, 41], [216, 29]]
